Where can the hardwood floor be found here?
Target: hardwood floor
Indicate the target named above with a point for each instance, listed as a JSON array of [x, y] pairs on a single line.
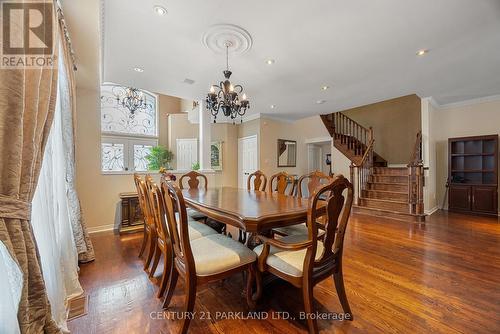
[[438, 277]]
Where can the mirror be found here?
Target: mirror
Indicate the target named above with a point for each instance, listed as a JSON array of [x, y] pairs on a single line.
[[287, 153]]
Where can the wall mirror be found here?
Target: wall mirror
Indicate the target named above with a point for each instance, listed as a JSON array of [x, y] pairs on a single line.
[[287, 153]]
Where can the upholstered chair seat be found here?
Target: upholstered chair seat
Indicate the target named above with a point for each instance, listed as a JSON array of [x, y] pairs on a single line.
[[198, 230], [195, 214], [218, 253], [299, 229], [289, 262]]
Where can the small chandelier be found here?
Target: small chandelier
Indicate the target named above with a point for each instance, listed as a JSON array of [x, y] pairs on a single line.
[[226, 96], [134, 99]]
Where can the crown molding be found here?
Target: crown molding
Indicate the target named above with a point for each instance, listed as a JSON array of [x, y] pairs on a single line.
[[464, 103]]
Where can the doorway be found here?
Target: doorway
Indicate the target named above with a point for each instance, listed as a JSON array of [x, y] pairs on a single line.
[[248, 158]]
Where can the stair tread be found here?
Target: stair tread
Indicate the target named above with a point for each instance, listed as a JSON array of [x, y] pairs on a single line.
[[388, 191], [382, 174], [389, 211], [384, 200], [398, 183]]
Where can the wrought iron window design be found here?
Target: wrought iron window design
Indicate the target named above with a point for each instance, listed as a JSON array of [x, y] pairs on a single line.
[[140, 153], [116, 117], [112, 157]]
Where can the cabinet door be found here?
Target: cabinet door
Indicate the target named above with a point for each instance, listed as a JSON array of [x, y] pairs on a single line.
[[484, 199], [459, 198]]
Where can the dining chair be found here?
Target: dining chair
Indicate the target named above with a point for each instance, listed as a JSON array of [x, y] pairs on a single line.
[[137, 180], [162, 242], [207, 259], [309, 182], [149, 239], [259, 181], [304, 261], [283, 180], [193, 182]]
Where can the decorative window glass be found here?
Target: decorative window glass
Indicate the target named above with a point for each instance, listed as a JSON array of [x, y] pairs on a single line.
[[112, 157], [140, 153], [129, 128]]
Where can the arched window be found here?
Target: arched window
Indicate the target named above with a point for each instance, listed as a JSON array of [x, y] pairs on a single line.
[[129, 128]]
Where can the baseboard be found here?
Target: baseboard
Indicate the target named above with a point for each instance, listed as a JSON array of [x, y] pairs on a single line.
[[431, 211], [102, 228]]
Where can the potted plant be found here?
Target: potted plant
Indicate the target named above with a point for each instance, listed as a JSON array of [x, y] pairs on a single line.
[[159, 157]]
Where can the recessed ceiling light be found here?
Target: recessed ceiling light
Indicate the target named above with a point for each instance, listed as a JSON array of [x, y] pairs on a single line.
[[325, 87], [138, 69], [272, 106], [320, 101], [270, 61], [422, 52], [160, 10]]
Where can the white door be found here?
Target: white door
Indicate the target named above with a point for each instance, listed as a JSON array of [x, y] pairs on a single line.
[[314, 157], [248, 159], [187, 153]]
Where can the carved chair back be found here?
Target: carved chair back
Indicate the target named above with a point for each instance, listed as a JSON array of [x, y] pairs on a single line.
[[314, 180], [193, 180], [334, 201], [174, 208], [281, 184], [157, 211], [143, 200], [259, 181]]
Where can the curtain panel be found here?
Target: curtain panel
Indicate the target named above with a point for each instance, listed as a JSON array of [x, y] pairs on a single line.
[[67, 88], [27, 104]]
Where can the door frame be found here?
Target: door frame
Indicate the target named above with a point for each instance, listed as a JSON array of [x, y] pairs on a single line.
[[239, 156]]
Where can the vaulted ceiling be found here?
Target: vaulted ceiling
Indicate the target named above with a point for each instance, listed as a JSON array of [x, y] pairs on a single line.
[[364, 50]]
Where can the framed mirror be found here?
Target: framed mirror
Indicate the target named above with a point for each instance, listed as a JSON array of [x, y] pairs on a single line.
[[287, 153]]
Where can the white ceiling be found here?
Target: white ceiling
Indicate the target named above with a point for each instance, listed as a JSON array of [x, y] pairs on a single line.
[[363, 49]]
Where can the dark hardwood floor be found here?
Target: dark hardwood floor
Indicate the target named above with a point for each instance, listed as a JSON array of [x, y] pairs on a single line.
[[438, 277]]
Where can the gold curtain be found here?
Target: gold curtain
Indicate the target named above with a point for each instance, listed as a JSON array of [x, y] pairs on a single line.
[[27, 103]]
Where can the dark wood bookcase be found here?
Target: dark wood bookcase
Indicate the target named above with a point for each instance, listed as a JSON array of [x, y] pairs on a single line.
[[473, 174]]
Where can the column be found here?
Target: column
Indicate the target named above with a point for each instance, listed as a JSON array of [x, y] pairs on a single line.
[[205, 136]]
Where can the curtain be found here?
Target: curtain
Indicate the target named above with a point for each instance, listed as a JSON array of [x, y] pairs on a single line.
[[67, 94], [27, 102], [52, 215]]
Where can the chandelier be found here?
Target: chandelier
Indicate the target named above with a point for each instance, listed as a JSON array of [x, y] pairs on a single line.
[[227, 97], [133, 99]]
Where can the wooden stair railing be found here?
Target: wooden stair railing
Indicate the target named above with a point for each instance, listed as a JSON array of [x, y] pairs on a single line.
[[416, 178], [362, 172], [349, 132]]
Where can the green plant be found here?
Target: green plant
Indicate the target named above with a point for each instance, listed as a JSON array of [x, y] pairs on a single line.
[[159, 157], [195, 166]]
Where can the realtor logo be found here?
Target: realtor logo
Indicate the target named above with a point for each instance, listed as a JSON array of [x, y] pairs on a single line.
[[27, 34]]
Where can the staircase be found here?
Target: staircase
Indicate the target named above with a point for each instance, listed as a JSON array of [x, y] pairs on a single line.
[[391, 192]]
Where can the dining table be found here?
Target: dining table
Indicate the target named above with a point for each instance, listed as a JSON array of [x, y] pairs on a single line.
[[249, 210]]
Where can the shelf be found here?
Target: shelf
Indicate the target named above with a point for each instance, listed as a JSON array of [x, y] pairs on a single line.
[[472, 171], [471, 154]]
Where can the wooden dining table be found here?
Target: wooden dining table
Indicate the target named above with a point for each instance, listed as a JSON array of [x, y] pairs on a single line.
[[249, 210]]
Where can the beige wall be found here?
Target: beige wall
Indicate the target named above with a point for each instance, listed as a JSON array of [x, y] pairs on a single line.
[[99, 192], [395, 124], [471, 120]]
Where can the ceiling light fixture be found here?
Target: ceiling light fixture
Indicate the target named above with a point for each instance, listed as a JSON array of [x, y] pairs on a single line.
[[325, 87], [160, 10], [226, 96], [422, 52], [272, 106], [270, 61], [138, 69], [320, 101]]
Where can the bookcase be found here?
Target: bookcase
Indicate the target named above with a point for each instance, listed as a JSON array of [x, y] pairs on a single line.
[[473, 174]]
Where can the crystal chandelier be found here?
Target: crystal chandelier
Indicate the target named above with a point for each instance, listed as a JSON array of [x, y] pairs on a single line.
[[226, 96], [134, 99]]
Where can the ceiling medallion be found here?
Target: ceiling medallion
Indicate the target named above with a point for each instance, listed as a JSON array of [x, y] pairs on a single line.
[[227, 97], [218, 35]]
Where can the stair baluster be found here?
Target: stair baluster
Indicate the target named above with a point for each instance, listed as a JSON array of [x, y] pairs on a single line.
[[416, 178]]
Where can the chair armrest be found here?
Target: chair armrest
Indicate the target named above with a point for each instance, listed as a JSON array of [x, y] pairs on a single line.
[[285, 245]]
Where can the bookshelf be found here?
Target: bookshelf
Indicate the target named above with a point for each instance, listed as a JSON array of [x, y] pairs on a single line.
[[473, 174]]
